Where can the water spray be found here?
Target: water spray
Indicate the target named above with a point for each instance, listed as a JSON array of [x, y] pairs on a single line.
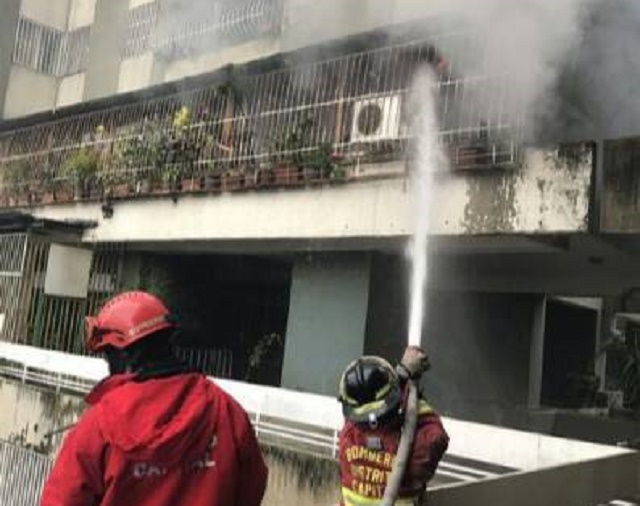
[[427, 158]]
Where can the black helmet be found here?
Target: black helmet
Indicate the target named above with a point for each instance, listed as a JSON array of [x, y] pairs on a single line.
[[369, 390]]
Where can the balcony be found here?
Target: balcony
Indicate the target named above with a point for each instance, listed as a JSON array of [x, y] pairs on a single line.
[[265, 125]]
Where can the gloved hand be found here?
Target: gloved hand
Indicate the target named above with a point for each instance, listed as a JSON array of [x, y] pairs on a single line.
[[415, 362]]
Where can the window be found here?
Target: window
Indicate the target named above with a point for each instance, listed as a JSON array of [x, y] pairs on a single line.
[[37, 46], [213, 25], [50, 51], [75, 51], [142, 23]]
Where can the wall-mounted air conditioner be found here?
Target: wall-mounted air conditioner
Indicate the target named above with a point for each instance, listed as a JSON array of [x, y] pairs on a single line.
[[377, 119]]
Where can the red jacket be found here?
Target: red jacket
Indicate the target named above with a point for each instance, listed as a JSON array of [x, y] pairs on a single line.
[[367, 456], [171, 441]]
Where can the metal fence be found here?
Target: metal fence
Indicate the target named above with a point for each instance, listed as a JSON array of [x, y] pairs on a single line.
[[353, 108], [216, 362], [50, 51], [30, 316], [22, 475]]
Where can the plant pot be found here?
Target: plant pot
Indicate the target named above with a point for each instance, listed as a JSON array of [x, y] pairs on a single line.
[[48, 197], [264, 178], [23, 200], [63, 195], [143, 187], [311, 175], [121, 190], [81, 190], [233, 180], [187, 185], [287, 175], [211, 182]]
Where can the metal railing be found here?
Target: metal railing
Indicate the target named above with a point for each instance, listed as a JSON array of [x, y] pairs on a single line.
[[216, 362], [22, 475], [314, 118], [51, 51]]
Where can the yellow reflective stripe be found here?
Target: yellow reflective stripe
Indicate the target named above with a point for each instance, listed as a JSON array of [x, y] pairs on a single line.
[[365, 408], [424, 408], [384, 391], [350, 498]]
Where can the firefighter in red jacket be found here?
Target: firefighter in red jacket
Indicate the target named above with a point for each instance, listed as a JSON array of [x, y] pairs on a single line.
[[156, 433], [373, 393]]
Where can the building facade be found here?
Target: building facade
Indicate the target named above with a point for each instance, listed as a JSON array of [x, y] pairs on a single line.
[[256, 171]]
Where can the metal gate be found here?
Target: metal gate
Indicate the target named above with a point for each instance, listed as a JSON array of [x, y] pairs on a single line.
[[30, 316]]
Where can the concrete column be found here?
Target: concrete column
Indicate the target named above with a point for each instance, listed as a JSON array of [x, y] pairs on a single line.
[[536, 354], [327, 320], [8, 24], [107, 38]]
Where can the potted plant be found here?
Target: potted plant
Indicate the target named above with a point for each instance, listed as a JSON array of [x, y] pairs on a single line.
[[81, 168], [233, 179], [264, 176], [212, 179], [630, 377], [16, 178], [171, 178]]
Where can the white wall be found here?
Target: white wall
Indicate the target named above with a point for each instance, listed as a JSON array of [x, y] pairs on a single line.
[[53, 13], [29, 92], [206, 63], [137, 3], [136, 73], [81, 13], [70, 90]]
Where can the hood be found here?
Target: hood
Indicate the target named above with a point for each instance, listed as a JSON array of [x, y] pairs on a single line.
[[165, 420]]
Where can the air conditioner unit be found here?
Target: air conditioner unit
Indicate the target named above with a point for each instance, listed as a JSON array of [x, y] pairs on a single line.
[[377, 119]]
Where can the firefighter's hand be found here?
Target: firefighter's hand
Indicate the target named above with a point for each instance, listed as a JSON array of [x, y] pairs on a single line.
[[415, 362]]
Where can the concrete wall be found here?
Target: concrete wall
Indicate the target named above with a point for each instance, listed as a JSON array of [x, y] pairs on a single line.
[[29, 413], [70, 90], [136, 73], [53, 13], [546, 195], [479, 345], [107, 38], [8, 24], [594, 482], [327, 319], [387, 316], [81, 13], [29, 92]]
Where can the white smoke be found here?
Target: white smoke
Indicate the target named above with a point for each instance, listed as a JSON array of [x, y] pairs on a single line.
[[607, 73], [526, 42]]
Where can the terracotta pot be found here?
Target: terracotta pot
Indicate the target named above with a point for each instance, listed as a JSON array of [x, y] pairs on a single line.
[[233, 180], [48, 197], [187, 185], [211, 182], [264, 178], [121, 190], [287, 175]]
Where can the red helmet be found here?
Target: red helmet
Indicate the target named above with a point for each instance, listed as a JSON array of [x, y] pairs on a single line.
[[126, 319]]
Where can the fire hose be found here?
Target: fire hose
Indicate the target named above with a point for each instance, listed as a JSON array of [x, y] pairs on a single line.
[[404, 448]]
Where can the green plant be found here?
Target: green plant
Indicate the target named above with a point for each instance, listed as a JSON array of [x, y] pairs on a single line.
[[16, 175], [82, 166], [289, 146], [263, 348], [630, 376]]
